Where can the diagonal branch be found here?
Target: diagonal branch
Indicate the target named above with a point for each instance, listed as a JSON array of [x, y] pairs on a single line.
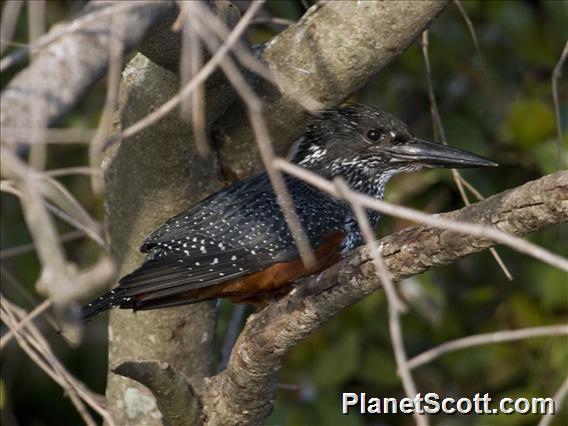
[[244, 392], [321, 60], [70, 59], [175, 397]]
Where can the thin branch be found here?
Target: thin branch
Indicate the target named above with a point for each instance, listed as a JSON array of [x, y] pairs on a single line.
[[254, 108], [56, 277], [473, 190], [273, 20], [483, 231], [26, 248], [115, 57], [60, 201], [191, 62], [77, 170], [9, 280], [485, 339], [50, 136], [395, 305], [10, 14], [38, 310], [73, 27], [36, 27], [473, 35], [248, 383], [556, 74], [242, 53], [201, 76], [441, 134], [32, 342], [56, 79], [559, 399]]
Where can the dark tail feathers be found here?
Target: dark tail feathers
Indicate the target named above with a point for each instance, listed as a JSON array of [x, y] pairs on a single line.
[[112, 299]]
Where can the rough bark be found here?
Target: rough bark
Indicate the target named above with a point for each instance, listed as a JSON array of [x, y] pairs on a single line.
[[244, 392], [326, 57], [175, 397], [157, 173], [149, 178], [64, 69]]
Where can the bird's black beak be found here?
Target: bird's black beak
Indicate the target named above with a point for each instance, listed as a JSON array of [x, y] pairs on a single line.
[[433, 154]]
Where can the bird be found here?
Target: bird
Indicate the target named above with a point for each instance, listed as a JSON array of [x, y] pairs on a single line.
[[236, 244]]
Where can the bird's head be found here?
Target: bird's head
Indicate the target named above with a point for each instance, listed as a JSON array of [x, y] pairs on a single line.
[[365, 145]]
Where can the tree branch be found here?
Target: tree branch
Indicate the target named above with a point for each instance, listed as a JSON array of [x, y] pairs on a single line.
[[320, 61], [150, 177], [244, 392], [175, 397], [73, 57]]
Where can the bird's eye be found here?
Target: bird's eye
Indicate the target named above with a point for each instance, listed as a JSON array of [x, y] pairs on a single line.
[[374, 134]]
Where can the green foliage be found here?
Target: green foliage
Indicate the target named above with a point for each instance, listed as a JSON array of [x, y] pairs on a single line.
[[529, 122]]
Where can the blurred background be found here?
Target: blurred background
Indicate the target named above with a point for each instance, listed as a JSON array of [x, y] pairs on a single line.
[[497, 104]]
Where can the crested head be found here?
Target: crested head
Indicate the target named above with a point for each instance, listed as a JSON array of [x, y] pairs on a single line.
[[366, 147]]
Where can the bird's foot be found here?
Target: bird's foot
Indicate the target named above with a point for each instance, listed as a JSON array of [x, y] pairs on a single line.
[[316, 284]]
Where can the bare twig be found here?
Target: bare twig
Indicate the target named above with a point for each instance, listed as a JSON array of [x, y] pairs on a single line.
[[485, 339], [9, 280], [51, 136], [395, 305], [273, 20], [473, 35], [26, 248], [439, 130], [10, 14], [249, 378], [78, 170], [104, 129], [56, 276], [254, 107], [56, 79], [556, 74], [473, 190], [201, 76], [74, 26], [38, 310], [191, 62], [242, 53], [61, 202], [473, 229], [559, 399], [33, 343], [36, 27]]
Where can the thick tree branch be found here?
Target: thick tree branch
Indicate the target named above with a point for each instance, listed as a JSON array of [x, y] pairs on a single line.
[[320, 61], [72, 58], [244, 392], [149, 177], [175, 397]]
